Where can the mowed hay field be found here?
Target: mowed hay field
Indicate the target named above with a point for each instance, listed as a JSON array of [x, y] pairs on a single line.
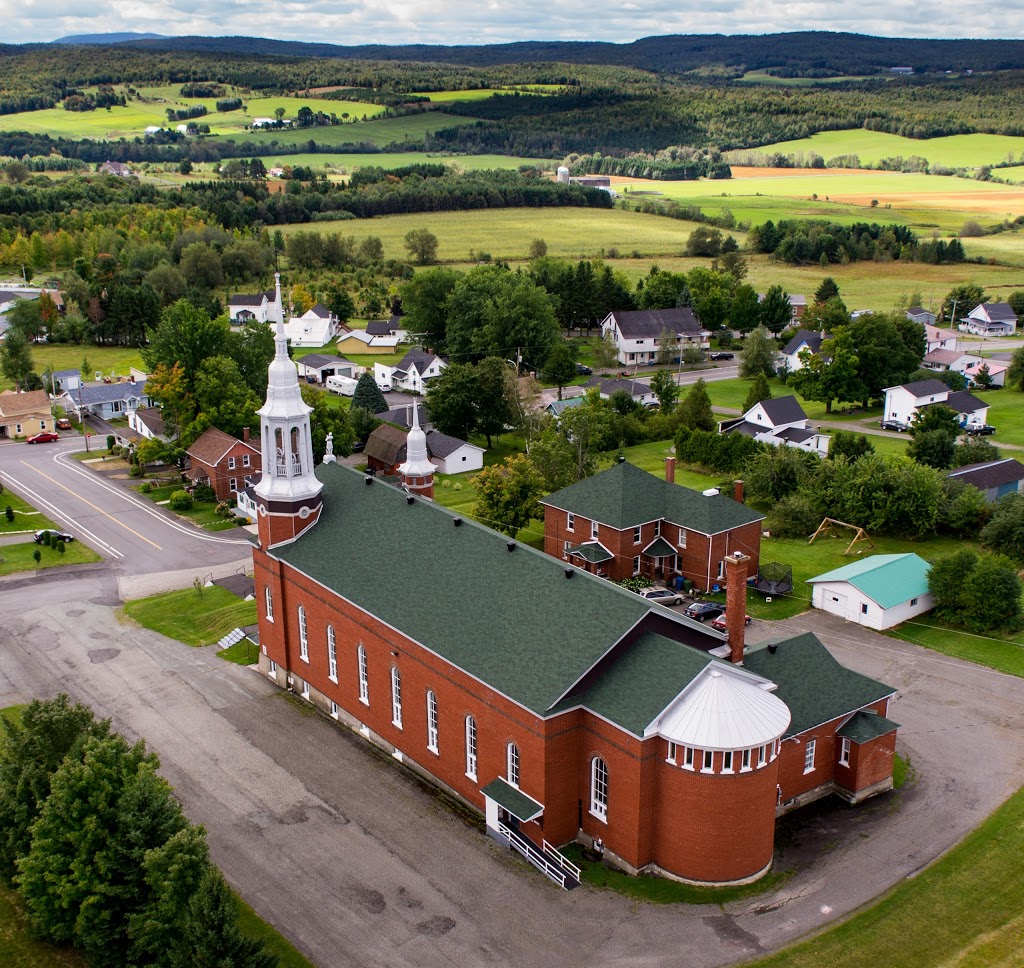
[[955, 151]]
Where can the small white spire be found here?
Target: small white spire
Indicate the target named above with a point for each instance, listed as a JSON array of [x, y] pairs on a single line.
[[329, 457], [417, 462]]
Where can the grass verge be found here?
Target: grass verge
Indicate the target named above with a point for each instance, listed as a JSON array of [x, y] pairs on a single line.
[[195, 617], [25, 516], [19, 557], [1006, 654], [19, 950], [244, 653], [963, 910], [252, 925], [203, 514]]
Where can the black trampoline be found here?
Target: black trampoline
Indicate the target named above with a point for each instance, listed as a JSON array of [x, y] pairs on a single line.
[[773, 578]]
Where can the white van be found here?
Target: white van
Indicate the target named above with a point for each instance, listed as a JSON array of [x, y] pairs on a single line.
[[343, 385]]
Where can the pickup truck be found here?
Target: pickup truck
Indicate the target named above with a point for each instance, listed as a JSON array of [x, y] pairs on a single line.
[[979, 430]]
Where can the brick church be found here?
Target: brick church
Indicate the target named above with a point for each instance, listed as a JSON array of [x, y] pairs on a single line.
[[561, 706]]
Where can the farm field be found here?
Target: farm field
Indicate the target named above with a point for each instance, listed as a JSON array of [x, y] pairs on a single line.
[[955, 151], [350, 162], [382, 131], [762, 77]]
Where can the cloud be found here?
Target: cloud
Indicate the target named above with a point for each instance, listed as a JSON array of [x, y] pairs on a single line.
[[499, 21]]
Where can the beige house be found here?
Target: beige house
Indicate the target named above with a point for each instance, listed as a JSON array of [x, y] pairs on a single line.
[[24, 414]]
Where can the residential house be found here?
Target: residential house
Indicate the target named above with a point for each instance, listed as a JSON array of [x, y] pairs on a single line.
[[258, 307], [624, 522], [806, 340], [990, 319], [994, 478], [996, 371], [225, 463], [640, 392], [317, 367], [637, 335], [148, 423], [557, 706], [387, 327], [413, 373], [903, 402], [24, 414], [956, 361], [939, 339], [402, 416], [879, 591], [557, 407], [797, 305], [358, 342], [315, 327], [779, 422], [107, 401], [921, 315], [453, 456], [118, 168], [387, 449], [61, 380]]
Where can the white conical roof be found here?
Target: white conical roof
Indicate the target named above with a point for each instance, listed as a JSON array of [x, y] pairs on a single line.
[[417, 462], [723, 710]]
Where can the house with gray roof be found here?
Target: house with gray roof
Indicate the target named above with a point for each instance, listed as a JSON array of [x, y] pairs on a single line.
[[625, 521], [879, 591], [920, 315], [413, 373], [780, 422], [106, 400], [386, 449], [990, 319], [994, 478], [638, 334], [317, 367], [902, 403], [806, 340]]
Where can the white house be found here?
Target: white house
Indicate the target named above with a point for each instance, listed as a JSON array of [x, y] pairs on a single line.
[[780, 422], [261, 307], [387, 327], [416, 369], [996, 370], [938, 339], [148, 422], [955, 360], [880, 591], [637, 335], [806, 339], [990, 319], [315, 327], [453, 456], [903, 402], [640, 392]]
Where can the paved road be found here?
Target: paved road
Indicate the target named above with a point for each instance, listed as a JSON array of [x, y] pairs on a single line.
[[127, 529], [361, 866]]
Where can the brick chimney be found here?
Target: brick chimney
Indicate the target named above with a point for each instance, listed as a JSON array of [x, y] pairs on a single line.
[[245, 434], [737, 491], [670, 470], [736, 566]]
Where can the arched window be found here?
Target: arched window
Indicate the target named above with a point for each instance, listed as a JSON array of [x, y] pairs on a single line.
[[269, 600], [431, 721], [279, 455], [303, 636], [512, 764], [332, 654], [396, 697], [599, 788], [471, 747], [296, 453], [364, 678]]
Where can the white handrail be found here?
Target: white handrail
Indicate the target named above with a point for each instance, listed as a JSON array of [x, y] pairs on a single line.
[[534, 856], [564, 861]]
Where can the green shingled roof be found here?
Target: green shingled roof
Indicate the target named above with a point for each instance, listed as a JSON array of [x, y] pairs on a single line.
[[812, 683], [624, 496], [888, 580], [511, 619], [640, 682], [514, 801], [593, 552], [863, 726]]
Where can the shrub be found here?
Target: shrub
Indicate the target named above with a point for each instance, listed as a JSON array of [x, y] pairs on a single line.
[[180, 501], [204, 494], [60, 547], [135, 470], [145, 488], [223, 509], [111, 440], [9, 513], [636, 583], [37, 556]]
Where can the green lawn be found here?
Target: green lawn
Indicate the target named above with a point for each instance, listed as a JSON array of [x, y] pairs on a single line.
[[997, 652], [26, 517], [377, 131], [111, 361], [19, 557], [20, 950], [255, 927], [244, 653], [955, 151], [963, 911], [203, 514], [196, 618], [350, 162]]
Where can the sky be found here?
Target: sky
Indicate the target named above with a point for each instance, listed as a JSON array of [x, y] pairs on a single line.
[[498, 21]]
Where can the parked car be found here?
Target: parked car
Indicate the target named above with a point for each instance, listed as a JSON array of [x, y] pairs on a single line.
[[980, 430], [47, 437], [63, 424], [702, 611], [384, 387], [719, 623], [583, 370], [898, 425], [718, 355], [40, 536], [359, 446], [663, 596]]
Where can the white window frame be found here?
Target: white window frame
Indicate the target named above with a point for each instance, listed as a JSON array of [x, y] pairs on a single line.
[[332, 654], [364, 676], [809, 750], [303, 635], [231, 463], [762, 756], [512, 765], [570, 521], [232, 483], [844, 751], [681, 543], [745, 766], [638, 534], [334, 710], [708, 762], [594, 530], [273, 668], [657, 529], [636, 565], [396, 697], [673, 752], [432, 722], [727, 758], [599, 789], [268, 603], [687, 757], [471, 750], [246, 462], [305, 689]]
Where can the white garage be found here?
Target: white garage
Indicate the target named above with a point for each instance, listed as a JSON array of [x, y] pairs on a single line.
[[879, 592]]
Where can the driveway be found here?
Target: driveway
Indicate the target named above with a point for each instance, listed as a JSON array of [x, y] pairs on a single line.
[[359, 864]]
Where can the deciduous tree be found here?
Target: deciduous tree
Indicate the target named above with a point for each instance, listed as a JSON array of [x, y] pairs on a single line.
[[560, 365], [421, 244], [695, 411], [507, 494], [759, 355]]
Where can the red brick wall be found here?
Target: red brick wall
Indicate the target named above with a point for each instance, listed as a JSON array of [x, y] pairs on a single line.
[[870, 763], [219, 475]]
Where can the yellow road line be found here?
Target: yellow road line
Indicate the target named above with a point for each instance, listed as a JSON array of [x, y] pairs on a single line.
[[93, 506]]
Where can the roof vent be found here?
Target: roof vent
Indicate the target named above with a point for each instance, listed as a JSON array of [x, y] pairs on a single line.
[[622, 459], [568, 571], [368, 480], [456, 521], [711, 492], [511, 545], [773, 648], [409, 499]]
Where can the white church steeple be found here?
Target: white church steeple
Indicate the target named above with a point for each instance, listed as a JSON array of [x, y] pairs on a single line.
[[417, 472], [288, 492]]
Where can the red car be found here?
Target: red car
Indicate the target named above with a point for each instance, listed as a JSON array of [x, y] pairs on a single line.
[[719, 623], [46, 437]]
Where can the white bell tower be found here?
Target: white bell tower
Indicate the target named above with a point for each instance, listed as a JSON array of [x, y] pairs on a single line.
[[288, 493]]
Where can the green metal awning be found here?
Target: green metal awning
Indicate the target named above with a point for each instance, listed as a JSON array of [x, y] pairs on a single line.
[[514, 801], [594, 553], [863, 726], [659, 548]]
